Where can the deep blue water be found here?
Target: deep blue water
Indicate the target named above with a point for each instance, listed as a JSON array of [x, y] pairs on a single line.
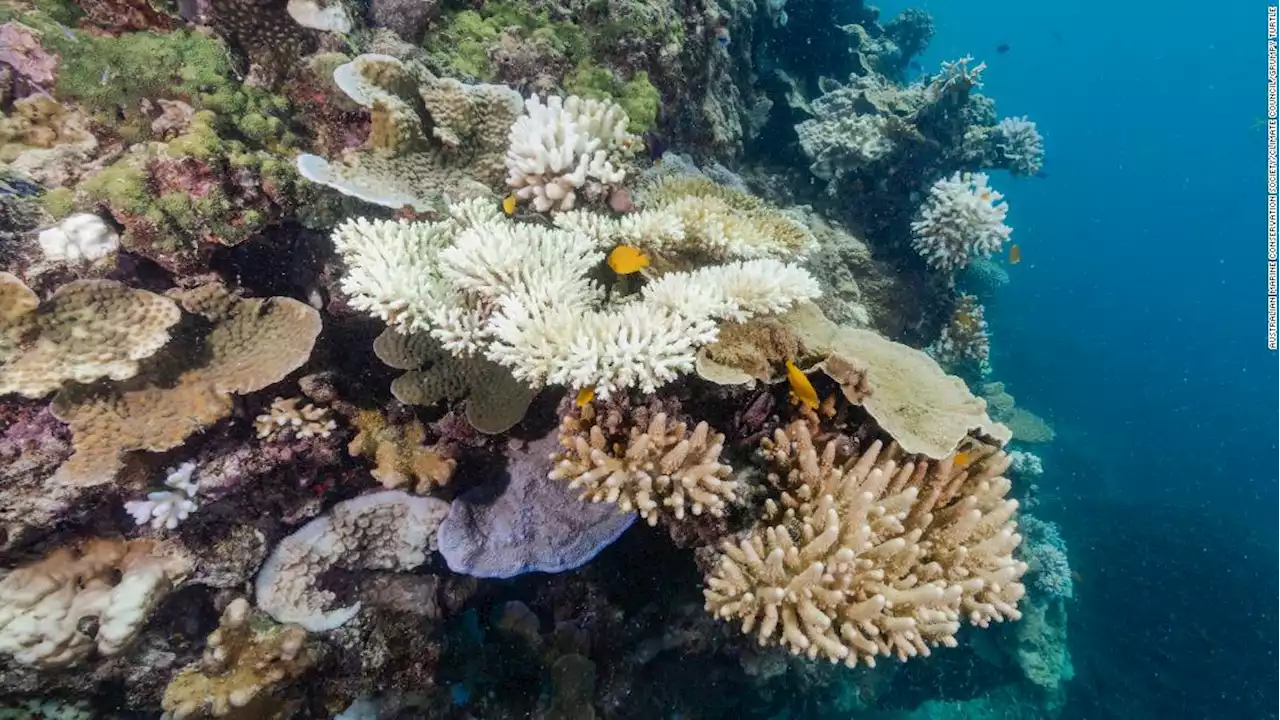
[[1136, 322]]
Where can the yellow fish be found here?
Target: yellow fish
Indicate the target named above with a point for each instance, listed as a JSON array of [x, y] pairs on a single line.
[[585, 396], [1015, 254], [962, 459], [800, 386], [626, 260], [509, 204]]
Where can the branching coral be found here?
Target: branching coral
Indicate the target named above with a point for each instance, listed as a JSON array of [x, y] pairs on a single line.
[[1046, 555], [401, 457], [965, 341], [1020, 144], [88, 330], [961, 220], [430, 136], [168, 508], [55, 612], [557, 148], [387, 531], [659, 470], [246, 661], [522, 295], [285, 420], [249, 344], [865, 556]]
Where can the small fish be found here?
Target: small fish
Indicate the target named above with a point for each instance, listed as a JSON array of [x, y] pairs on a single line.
[[656, 146], [1002, 48], [801, 387], [722, 36], [1042, 175], [626, 260], [1015, 254], [585, 396], [67, 32], [509, 204], [961, 460]]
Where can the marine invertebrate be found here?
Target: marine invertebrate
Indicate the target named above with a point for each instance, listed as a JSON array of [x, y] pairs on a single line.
[[557, 148], [263, 30], [21, 51], [246, 661], [56, 611], [399, 452], [1025, 464], [286, 420], [79, 238], [46, 141], [168, 508], [965, 341], [534, 525], [388, 530], [430, 136], [961, 219], [522, 296], [1045, 553], [250, 344], [839, 144], [87, 330], [867, 556], [1020, 145], [495, 400], [1024, 425], [661, 470]]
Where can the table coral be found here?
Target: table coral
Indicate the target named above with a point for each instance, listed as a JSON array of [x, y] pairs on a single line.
[[58, 610], [871, 555], [87, 330], [429, 136], [247, 661], [249, 345], [388, 530], [662, 470]]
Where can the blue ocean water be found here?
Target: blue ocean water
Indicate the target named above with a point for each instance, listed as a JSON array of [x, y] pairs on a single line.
[[1136, 322]]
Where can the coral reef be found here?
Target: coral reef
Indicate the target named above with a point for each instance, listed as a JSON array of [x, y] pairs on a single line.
[[402, 459], [962, 220], [863, 556], [964, 345], [168, 508]]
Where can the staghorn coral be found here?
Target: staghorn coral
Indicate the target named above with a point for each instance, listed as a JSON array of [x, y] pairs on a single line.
[[388, 530], [965, 341], [522, 296], [404, 165], [286, 421], [87, 330], [533, 525], [660, 471], [55, 612], [927, 411], [865, 557], [246, 663], [960, 221], [249, 345], [399, 453], [496, 401], [558, 148]]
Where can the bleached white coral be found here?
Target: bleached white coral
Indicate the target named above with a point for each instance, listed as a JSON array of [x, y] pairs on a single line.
[[168, 508], [557, 147], [1025, 465], [1021, 145], [523, 296], [840, 144], [331, 17], [80, 238], [961, 220]]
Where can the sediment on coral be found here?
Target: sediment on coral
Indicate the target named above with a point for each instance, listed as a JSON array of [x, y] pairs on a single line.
[[873, 554]]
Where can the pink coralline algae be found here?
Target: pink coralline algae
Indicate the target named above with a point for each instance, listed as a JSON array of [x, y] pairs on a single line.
[[20, 49]]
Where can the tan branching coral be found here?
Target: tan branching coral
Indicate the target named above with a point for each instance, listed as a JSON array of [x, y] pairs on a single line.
[[658, 470], [401, 457], [926, 410], [496, 401], [285, 419], [865, 556], [55, 612], [249, 344], [88, 330], [247, 660]]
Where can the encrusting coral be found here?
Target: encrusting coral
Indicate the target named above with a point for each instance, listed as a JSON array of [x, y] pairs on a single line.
[[87, 330], [388, 530], [430, 136], [246, 661], [79, 238], [873, 555], [55, 612], [248, 345], [662, 469], [522, 295], [400, 456]]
